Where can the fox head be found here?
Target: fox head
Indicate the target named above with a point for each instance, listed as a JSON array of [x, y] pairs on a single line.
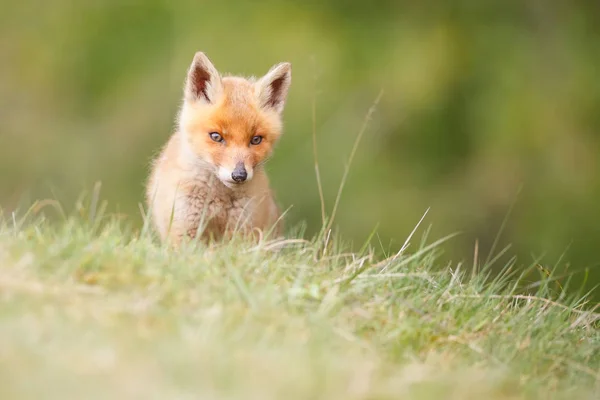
[[231, 124]]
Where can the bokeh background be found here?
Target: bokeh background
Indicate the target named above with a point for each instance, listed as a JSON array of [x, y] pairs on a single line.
[[481, 98]]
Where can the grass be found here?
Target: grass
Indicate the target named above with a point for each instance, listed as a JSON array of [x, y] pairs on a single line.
[[92, 309]]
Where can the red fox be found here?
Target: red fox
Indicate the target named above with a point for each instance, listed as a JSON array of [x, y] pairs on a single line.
[[208, 181]]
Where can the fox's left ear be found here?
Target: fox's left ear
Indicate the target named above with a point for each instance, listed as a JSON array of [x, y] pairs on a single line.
[[272, 88]]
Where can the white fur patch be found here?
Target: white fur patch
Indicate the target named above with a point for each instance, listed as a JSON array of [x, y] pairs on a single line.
[[224, 175]]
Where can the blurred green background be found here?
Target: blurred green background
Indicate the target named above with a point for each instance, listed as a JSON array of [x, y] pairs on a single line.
[[480, 98]]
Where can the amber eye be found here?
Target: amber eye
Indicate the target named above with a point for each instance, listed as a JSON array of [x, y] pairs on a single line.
[[216, 137], [256, 140]]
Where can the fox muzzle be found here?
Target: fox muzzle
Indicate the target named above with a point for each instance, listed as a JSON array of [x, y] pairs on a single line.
[[239, 174]]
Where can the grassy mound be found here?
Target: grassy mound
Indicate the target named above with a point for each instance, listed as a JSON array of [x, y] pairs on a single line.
[[94, 310]]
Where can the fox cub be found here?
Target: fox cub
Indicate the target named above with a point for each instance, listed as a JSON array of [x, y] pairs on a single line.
[[209, 179]]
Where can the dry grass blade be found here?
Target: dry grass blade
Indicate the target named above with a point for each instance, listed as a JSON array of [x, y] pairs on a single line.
[[351, 158], [593, 315], [388, 261], [278, 244], [405, 245], [315, 154]]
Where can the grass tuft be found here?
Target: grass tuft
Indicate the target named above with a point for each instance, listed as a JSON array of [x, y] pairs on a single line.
[[92, 309]]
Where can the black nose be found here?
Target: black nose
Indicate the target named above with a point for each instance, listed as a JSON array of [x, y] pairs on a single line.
[[239, 174]]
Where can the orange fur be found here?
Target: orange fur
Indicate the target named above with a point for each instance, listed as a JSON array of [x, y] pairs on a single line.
[[192, 189]]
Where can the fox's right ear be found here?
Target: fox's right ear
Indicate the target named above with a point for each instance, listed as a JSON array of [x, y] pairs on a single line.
[[203, 81]]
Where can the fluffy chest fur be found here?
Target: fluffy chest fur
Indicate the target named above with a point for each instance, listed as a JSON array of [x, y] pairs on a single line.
[[205, 204]]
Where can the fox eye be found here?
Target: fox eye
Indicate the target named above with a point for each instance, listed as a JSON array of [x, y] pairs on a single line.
[[216, 137], [256, 140]]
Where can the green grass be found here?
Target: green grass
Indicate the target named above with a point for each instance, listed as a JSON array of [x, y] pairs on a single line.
[[94, 310]]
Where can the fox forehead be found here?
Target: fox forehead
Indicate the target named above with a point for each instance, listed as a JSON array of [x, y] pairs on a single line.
[[236, 114], [239, 92]]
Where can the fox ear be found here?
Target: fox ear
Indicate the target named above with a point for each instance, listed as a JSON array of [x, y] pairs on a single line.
[[272, 88], [203, 81]]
